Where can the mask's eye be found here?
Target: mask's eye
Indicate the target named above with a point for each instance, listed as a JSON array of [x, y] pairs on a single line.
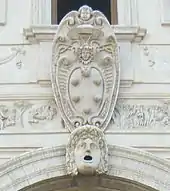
[[83, 145], [93, 146]]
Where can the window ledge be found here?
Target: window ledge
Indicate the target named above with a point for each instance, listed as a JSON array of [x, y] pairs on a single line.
[[44, 33], [165, 23]]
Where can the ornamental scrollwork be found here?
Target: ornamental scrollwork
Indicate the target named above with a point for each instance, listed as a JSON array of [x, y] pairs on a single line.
[[16, 52]]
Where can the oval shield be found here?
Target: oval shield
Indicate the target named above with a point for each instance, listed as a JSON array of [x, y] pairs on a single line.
[[85, 69]]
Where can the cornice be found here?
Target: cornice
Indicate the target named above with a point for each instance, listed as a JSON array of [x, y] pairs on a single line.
[[45, 33], [42, 91]]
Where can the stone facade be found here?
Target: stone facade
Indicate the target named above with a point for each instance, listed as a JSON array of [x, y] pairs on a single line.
[[31, 119]]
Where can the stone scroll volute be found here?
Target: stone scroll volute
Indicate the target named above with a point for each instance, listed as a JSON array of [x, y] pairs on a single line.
[[85, 69]]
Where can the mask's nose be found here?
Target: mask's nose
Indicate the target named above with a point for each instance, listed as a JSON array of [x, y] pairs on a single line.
[[88, 151], [88, 156]]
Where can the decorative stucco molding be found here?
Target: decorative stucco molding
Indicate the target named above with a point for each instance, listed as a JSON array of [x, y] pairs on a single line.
[[46, 163], [43, 33], [15, 52], [127, 12], [165, 15], [134, 12], [3, 12], [40, 12]]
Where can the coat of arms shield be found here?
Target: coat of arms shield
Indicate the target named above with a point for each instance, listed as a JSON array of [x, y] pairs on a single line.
[[85, 69]]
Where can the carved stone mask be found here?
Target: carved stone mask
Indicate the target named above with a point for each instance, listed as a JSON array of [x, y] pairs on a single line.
[[86, 151], [87, 156]]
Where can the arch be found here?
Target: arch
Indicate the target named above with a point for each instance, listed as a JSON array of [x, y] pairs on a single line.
[[132, 165]]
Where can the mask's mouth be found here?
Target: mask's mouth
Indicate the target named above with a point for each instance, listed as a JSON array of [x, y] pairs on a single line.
[[88, 158]]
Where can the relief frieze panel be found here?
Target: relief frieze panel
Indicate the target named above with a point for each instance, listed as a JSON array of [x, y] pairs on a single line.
[[126, 116], [141, 116], [23, 114]]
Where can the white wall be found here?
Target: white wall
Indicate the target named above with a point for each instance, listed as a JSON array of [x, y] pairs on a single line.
[[25, 60]]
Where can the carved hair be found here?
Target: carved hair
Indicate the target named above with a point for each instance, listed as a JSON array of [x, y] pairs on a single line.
[[83, 133], [85, 7]]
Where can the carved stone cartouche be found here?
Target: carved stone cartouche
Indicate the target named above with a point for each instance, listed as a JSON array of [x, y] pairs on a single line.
[[85, 69]]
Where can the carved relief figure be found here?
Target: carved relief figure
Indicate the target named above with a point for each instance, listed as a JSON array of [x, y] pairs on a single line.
[[45, 112], [86, 151], [129, 116], [7, 117], [85, 13]]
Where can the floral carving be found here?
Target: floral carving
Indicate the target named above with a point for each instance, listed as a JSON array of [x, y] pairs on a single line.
[[128, 116]]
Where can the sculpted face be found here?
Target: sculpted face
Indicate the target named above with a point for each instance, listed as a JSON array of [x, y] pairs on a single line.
[[87, 156], [85, 53], [85, 13], [86, 152]]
